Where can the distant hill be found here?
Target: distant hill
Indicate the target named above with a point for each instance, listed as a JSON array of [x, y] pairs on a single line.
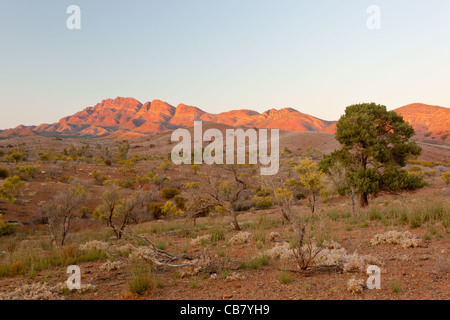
[[124, 118], [430, 122]]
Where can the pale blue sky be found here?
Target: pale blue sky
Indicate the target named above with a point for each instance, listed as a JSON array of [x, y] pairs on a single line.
[[315, 56]]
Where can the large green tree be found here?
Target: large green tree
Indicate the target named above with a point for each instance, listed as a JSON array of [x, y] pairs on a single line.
[[375, 145]]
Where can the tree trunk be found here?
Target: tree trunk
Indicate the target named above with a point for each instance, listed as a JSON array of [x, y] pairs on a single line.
[[353, 202], [285, 215], [363, 200], [235, 222]]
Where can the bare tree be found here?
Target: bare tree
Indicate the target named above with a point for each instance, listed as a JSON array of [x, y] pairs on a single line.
[[118, 212], [225, 187], [281, 192], [60, 211]]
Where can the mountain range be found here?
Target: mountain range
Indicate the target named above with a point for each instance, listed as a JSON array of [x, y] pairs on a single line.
[[129, 118]]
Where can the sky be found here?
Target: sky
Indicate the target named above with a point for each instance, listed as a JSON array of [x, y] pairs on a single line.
[[315, 56]]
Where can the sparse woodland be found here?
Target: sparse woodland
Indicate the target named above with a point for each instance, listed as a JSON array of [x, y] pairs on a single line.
[[141, 227]]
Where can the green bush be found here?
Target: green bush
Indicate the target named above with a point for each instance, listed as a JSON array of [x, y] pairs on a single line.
[[180, 201], [45, 157], [125, 184], [263, 202], [65, 179], [263, 192], [446, 177], [169, 193], [4, 173], [155, 209], [15, 157], [29, 171], [6, 228]]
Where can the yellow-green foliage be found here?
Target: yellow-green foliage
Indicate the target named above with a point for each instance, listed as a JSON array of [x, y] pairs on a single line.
[[165, 165], [311, 178], [418, 173], [6, 228], [30, 171], [195, 168], [192, 185], [446, 177], [263, 202], [14, 157], [142, 180], [9, 186], [98, 177], [429, 163], [45, 157], [169, 193], [169, 209]]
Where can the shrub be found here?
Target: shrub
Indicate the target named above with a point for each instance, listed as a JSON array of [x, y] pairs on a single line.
[[14, 157], [98, 177], [284, 277], [243, 205], [169, 210], [374, 214], [30, 171], [6, 228], [395, 286], [45, 157], [180, 201], [169, 193], [10, 187], [263, 192], [85, 212], [217, 235], [241, 238], [117, 211], [141, 279], [257, 263], [66, 179], [446, 177], [125, 184], [428, 163], [4, 173], [415, 219], [263, 202], [404, 239], [155, 209], [355, 286]]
